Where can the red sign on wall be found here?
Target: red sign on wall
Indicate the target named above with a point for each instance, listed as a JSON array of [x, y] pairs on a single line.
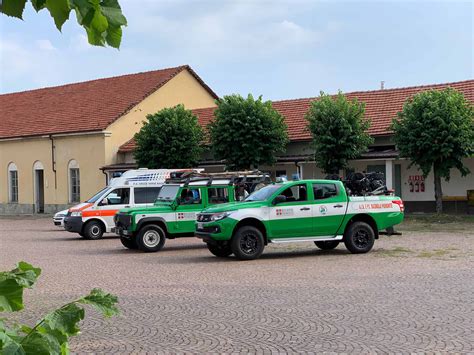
[[417, 183]]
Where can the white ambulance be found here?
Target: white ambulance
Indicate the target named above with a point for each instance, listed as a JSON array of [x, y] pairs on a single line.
[[134, 188]]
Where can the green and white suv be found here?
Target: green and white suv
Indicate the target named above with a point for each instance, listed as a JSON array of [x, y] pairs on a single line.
[[174, 211], [308, 210]]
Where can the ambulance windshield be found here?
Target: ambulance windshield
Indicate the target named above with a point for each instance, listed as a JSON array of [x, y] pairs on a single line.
[[97, 195]]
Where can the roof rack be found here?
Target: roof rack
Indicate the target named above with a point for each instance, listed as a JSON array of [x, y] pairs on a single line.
[[233, 176]]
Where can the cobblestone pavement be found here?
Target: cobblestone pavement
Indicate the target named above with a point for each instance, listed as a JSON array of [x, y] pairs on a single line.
[[412, 293]]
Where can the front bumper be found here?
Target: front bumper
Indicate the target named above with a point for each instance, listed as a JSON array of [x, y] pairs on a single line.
[[73, 224], [215, 231], [122, 225]]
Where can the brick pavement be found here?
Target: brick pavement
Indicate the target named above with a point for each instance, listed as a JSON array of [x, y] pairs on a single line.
[[410, 294]]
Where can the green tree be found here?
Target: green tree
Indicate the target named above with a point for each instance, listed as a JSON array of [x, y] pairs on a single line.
[[102, 19], [247, 132], [50, 335], [435, 130], [339, 131], [170, 138]]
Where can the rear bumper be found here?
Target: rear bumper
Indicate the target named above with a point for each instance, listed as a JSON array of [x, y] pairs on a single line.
[[73, 224]]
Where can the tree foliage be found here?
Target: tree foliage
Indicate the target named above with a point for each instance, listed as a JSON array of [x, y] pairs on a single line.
[[102, 19], [339, 131], [51, 334], [247, 132], [435, 130], [170, 138]]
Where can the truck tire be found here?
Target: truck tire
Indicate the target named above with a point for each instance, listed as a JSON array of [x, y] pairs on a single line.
[[129, 243], [359, 238], [151, 238], [220, 250], [327, 244], [247, 243], [93, 230]]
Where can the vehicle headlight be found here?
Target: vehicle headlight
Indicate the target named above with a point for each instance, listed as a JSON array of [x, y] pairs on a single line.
[[76, 214], [218, 216]]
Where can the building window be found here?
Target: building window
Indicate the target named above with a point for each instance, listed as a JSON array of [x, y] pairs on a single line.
[[74, 182], [12, 183]]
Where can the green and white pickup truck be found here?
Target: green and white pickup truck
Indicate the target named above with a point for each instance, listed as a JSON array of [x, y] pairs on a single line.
[[174, 211], [307, 210]]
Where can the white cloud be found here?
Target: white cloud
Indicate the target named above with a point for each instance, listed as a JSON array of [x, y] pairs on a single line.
[[45, 44], [79, 43]]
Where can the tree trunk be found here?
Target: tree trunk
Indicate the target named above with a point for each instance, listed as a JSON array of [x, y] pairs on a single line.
[[438, 191]]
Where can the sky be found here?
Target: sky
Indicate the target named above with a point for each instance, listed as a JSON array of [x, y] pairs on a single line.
[[277, 49]]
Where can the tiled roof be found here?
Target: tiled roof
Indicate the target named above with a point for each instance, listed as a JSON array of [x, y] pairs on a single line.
[[81, 107], [381, 106]]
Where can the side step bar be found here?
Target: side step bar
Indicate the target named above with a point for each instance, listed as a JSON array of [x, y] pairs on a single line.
[[306, 239]]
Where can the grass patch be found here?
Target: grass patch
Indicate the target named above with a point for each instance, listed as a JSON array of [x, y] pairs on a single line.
[[436, 223], [433, 253]]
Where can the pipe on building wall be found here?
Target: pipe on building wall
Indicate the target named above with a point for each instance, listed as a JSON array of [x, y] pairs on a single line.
[[53, 161]]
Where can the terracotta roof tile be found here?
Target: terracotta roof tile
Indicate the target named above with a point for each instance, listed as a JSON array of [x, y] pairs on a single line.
[[80, 107], [381, 107]]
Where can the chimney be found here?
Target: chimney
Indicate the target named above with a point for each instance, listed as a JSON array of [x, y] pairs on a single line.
[[382, 85]]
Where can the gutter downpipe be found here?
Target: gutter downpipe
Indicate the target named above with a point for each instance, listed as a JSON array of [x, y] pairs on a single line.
[[53, 161]]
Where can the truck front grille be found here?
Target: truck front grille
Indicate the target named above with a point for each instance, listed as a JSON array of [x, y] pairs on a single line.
[[123, 220]]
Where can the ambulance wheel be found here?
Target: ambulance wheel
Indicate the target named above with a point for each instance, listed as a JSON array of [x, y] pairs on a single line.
[[93, 230], [151, 238], [129, 243], [220, 250], [359, 238], [247, 243], [327, 244]]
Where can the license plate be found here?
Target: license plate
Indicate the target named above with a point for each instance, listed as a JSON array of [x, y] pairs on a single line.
[[200, 225]]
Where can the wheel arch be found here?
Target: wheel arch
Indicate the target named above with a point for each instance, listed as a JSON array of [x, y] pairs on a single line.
[[152, 220], [254, 222], [102, 223], [363, 217]]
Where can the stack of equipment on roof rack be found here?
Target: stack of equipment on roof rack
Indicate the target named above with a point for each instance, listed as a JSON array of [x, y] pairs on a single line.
[[363, 184], [245, 182]]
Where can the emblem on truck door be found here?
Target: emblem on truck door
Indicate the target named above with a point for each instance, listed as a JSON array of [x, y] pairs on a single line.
[[284, 211], [323, 209]]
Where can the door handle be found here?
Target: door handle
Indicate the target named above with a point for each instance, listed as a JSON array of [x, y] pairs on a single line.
[[126, 206], [304, 209], [338, 206]]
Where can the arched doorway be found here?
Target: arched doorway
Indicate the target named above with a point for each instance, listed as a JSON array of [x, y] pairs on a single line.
[[38, 176]]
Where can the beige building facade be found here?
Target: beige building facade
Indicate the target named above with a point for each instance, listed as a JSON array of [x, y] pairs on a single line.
[[50, 171]]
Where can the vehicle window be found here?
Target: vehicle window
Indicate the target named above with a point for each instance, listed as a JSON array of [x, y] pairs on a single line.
[[190, 197], [117, 197], [217, 195], [168, 193], [263, 193], [146, 194], [295, 193], [241, 192], [97, 195], [322, 191]]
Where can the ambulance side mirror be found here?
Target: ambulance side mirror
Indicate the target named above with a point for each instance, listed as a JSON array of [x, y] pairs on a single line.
[[104, 202]]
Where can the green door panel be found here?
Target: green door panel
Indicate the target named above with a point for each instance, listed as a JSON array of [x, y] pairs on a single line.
[[187, 209], [294, 218], [328, 211]]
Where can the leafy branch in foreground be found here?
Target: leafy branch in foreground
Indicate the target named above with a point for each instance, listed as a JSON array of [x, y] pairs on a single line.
[[51, 334], [102, 19]]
